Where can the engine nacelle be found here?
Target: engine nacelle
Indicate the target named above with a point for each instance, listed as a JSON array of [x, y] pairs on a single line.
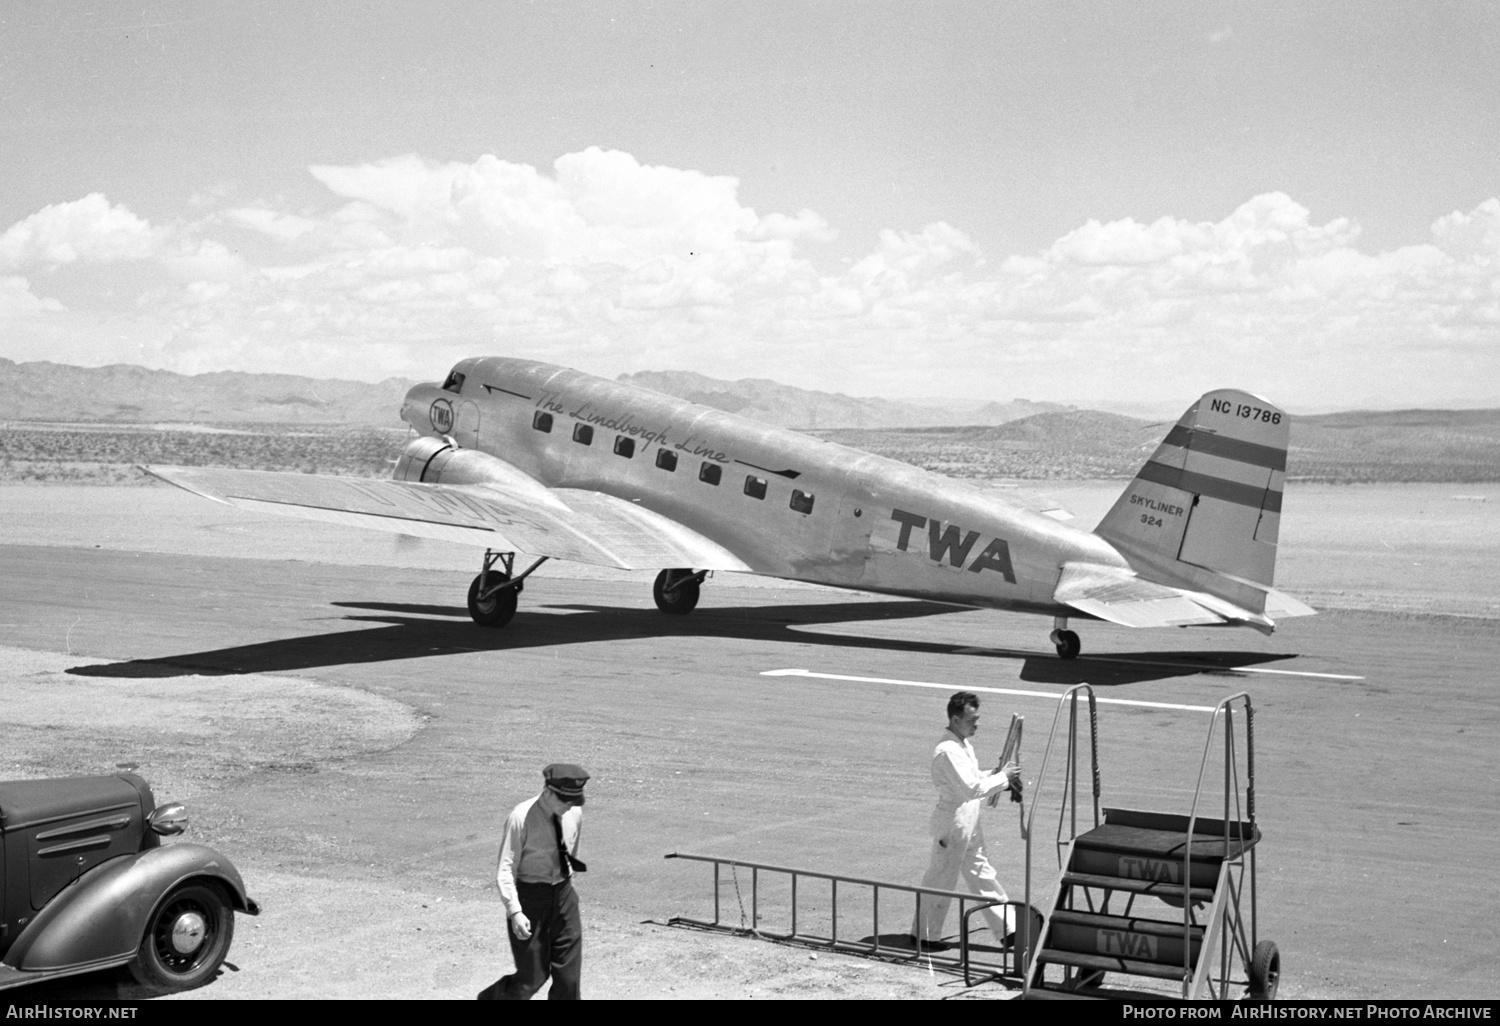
[[439, 460], [419, 452]]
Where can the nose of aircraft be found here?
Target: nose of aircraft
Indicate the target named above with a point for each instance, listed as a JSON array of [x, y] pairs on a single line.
[[414, 406]]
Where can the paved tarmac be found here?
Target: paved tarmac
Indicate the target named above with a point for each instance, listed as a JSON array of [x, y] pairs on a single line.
[[1377, 759]]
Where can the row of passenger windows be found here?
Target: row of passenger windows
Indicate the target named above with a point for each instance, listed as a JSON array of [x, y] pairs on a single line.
[[708, 471]]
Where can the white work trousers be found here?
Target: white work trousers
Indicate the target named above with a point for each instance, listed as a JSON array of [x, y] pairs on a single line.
[[958, 850]]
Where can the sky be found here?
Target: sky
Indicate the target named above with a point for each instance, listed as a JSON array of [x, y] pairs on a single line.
[[1075, 202]]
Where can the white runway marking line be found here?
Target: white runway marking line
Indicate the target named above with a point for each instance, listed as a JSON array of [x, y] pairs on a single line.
[[970, 687], [971, 650]]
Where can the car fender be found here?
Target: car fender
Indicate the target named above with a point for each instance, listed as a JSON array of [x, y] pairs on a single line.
[[100, 918]]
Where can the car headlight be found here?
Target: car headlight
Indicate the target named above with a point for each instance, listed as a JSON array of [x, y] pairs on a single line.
[[169, 819]]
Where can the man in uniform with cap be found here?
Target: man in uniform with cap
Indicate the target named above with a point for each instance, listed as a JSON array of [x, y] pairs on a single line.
[[537, 862], [957, 840]]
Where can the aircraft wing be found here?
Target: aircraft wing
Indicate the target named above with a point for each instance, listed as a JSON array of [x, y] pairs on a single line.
[[1121, 597], [563, 523]]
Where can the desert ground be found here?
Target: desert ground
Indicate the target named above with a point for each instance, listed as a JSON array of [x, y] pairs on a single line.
[[352, 742]]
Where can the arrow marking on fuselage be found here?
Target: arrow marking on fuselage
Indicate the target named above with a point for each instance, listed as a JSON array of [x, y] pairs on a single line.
[[792, 474], [492, 389]]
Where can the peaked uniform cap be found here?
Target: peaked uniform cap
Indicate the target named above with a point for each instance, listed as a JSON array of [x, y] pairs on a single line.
[[566, 778]]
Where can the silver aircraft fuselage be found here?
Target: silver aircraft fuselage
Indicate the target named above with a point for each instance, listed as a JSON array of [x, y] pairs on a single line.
[[788, 505]]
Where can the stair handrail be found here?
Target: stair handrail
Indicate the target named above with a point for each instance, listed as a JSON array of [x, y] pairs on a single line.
[[1231, 797], [1069, 695], [1070, 698]]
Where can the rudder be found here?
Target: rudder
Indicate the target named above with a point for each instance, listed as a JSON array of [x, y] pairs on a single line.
[[1210, 495]]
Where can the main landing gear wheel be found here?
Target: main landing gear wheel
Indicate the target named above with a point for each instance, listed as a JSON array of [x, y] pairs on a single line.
[[679, 597], [186, 939], [1265, 972], [1068, 645], [496, 609]]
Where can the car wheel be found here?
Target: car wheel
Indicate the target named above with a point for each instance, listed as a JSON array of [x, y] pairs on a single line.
[[186, 939]]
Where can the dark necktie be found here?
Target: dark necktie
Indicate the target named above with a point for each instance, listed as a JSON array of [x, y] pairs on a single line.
[[570, 865]]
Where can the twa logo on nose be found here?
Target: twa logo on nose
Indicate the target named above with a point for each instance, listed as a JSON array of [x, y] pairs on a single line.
[[442, 416]]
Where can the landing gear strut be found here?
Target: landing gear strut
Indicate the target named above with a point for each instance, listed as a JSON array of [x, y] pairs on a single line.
[[492, 596], [676, 591], [1068, 645]]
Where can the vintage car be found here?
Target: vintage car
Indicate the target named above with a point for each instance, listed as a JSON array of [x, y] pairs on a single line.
[[86, 884]]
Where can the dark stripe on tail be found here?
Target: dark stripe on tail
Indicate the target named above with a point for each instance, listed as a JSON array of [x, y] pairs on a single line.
[[1229, 448], [1214, 487]]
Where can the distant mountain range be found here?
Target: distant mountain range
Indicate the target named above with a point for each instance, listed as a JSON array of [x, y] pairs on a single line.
[[791, 407], [1360, 446], [967, 439], [125, 394]]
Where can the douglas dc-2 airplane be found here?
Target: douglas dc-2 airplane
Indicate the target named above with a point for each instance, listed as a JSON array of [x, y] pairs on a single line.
[[525, 457]]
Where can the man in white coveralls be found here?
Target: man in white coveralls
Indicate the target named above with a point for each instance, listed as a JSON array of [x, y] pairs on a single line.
[[957, 840]]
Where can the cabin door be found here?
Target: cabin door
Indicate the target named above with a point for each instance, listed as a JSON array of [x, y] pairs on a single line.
[[466, 425], [849, 541]]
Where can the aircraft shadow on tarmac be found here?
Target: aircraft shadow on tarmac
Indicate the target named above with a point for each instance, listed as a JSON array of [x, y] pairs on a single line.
[[409, 631]]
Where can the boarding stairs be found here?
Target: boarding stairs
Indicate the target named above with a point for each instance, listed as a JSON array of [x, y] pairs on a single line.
[[1149, 896]]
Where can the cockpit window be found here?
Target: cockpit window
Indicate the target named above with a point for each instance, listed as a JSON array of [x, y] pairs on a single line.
[[455, 382]]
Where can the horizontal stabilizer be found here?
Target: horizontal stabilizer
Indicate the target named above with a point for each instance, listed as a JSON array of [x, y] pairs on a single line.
[[1281, 606], [1121, 597], [1239, 593], [587, 527]]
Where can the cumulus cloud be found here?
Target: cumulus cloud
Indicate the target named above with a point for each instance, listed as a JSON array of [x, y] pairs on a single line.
[[902, 256], [1123, 242], [278, 225], [89, 229], [1474, 236], [17, 300], [598, 206], [1266, 232], [609, 263]]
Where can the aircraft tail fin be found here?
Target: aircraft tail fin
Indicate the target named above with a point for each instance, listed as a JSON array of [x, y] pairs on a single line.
[[1209, 499]]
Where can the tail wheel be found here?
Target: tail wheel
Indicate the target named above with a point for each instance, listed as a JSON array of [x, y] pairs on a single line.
[[678, 598], [186, 939], [499, 607], [1265, 972], [1068, 645]]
